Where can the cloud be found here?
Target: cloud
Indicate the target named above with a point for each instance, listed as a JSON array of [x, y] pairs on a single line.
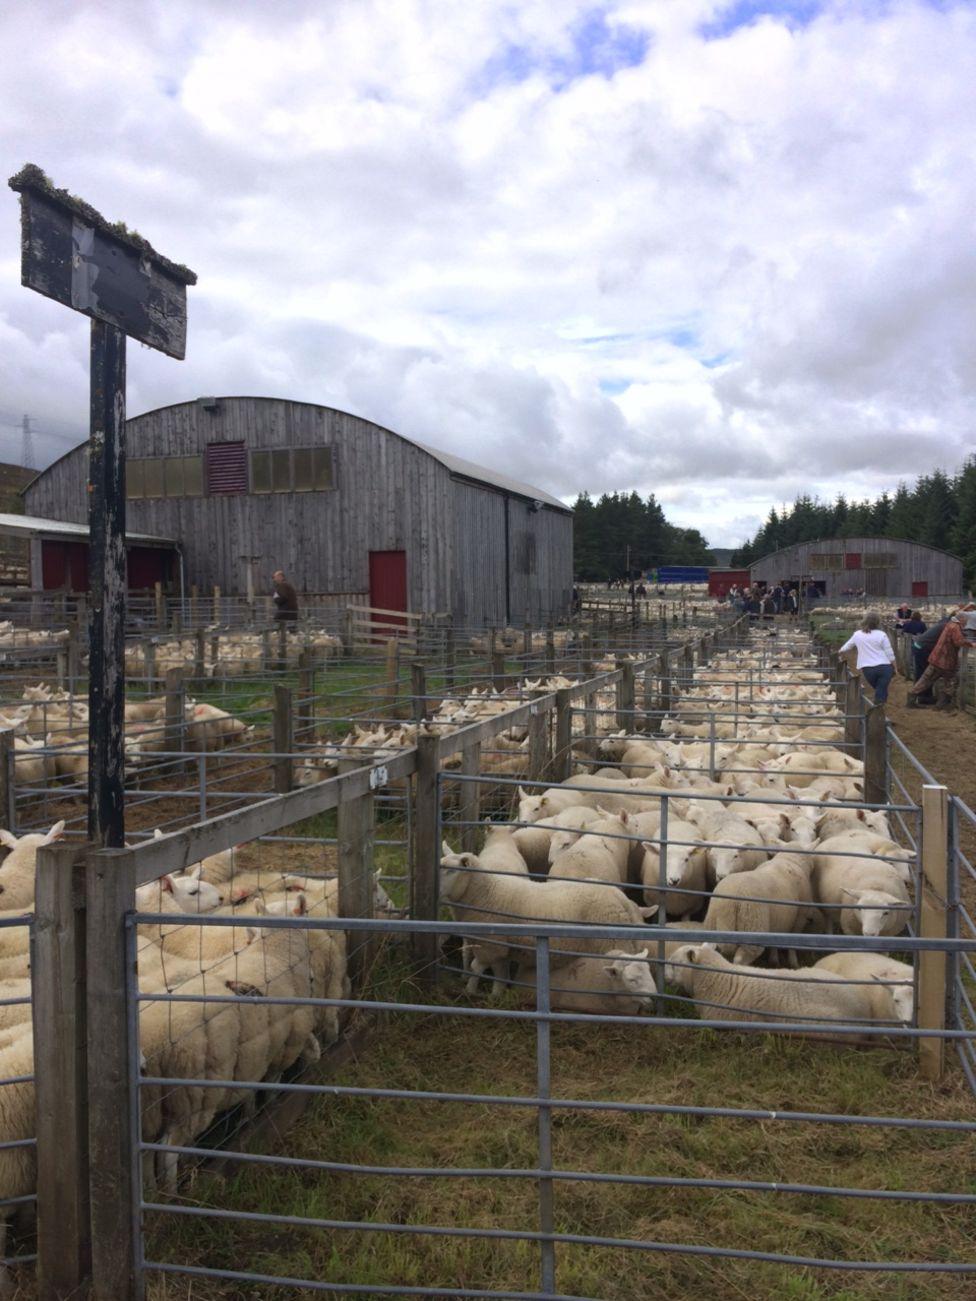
[[717, 251]]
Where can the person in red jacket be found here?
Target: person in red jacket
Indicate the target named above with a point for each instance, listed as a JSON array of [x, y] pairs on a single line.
[[942, 670]]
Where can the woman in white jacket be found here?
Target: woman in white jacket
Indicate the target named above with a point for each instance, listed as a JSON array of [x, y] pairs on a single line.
[[875, 657]]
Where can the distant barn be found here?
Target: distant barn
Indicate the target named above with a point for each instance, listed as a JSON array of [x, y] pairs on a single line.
[[885, 567], [249, 485]]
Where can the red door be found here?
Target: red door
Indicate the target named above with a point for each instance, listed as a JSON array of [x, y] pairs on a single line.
[[388, 583], [920, 587], [64, 564]]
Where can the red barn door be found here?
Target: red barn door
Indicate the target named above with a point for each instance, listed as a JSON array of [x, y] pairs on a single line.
[[388, 581], [920, 587]]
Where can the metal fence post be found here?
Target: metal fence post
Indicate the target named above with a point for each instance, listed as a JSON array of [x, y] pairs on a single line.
[[282, 739], [933, 924], [547, 1247], [427, 854], [876, 755], [109, 894], [354, 832], [58, 986]]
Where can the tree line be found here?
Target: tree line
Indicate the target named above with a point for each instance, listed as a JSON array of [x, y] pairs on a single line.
[[939, 510], [622, 535]]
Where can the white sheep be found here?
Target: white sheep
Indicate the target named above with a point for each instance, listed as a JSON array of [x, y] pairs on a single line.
[[18, 869], [613, 984], [686, 870], [601, 853], [775, 897], [877, 967], [739, 846], [741, 993]]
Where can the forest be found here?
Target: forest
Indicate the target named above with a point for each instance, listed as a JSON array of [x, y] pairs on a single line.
[[622, 535], [939, 509]]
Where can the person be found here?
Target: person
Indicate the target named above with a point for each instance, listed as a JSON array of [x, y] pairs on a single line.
[[792, 604], [913, 624], [285, 598], [778, 597], [922, 647], [903, 612], [942, 670], [875, 657], [577, 601]]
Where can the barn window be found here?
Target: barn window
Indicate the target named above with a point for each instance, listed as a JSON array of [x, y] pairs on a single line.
[[192, 476], [226, 468], [880, 560], [291, 469], [134, 479], [281, 469], [152, 480], [827, 560]]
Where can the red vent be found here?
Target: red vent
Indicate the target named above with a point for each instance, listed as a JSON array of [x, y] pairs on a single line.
[[226, 468], [852, 560]]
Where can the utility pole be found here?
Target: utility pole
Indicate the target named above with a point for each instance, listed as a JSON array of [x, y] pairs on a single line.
[[27, 444]]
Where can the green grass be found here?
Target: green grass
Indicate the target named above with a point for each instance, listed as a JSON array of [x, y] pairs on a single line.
[[609, 1062]]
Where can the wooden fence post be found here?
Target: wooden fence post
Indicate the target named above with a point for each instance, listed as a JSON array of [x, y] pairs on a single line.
[[283, 739], [58, 987], [667, 685], [538, 741], [933, 924], [347, 633], [8, 809], [550, 649], [426, 856], [160, 606], [469, 803], [392, 673], [282, 646], [109, 894], [876, 755], [450, 655], [527, 645], [498, 679], [199, 657], [625, 695], [149, 662], [562, 758], [354, 832], [418, 690], [305, 720], [174, 737]]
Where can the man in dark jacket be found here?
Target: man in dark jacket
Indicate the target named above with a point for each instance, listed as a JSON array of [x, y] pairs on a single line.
[[285, 598], [922, 648]]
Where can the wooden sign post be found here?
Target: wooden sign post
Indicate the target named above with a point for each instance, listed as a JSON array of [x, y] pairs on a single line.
[[70, 253]]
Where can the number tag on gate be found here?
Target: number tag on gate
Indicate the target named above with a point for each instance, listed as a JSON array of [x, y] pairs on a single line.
[[378, 777]]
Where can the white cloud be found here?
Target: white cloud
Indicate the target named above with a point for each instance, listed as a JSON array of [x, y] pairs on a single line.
[[584, 243]]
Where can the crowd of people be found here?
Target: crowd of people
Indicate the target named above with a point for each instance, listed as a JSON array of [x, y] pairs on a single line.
[[936, 654], [767, 602]]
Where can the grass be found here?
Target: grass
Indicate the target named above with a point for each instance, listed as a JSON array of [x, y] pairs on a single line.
[[610, 1062]]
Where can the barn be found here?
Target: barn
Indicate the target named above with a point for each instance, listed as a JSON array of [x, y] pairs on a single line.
[[885, 567], [248, 485]]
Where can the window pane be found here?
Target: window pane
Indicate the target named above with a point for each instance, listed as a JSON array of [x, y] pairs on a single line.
[[302, 466], [173, 476], [153, 471], [193, 476], [134, 479], [260, 471], [281, 470], [321, 468]]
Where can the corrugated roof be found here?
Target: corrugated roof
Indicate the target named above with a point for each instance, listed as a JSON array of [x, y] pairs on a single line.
[[25, 526], [470, 470]]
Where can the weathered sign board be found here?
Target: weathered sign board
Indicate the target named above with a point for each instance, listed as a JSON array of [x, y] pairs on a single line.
[[70, 253]]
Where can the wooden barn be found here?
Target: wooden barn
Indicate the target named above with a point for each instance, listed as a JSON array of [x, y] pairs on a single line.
[[249, 485], [885, 567]]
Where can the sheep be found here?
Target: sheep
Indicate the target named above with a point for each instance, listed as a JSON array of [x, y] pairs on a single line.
[[877, 967], [18, 869], [741, 993], [601, 853], [31, 768], [614, 984], [11, 1013], [569, 825], [877, 900], [853, 840], [210, 728], [473, 895], [484, 954], [17, 1120], [185, 893], [835, 822], [327, 956], [686, 870], [743, 848], [778, 896]]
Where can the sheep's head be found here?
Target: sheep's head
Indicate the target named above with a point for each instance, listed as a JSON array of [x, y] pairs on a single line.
[[877, 912], [630, 973], [902, 999], [725, 862], [532, 807]]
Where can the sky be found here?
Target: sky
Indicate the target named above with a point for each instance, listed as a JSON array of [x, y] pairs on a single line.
[[721, 252]]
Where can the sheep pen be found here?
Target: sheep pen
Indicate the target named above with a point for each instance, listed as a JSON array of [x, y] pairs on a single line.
[[446, 1132]]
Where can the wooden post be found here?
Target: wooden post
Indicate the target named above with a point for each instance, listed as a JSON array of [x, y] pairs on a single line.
[[527, 645], [160, 606], [194, 605], [61, 668], [625, 695], [305, 722], [562, 759], [199, 658], [426, 855], [550, 649], [74, 661], [282, 646], [933, 924], [175, 738], [216, 606], [852, 711], [354, 832], [647, 693], [469, 803], [283, 740], [214, 653], [538, 742], [60, 1074], [392, 673], [498, 679], [8, 778], [149, 663], [876, 755], [418, 690], [667, 684], [109, 893], [450, 654], [347, 633], [266, 650]]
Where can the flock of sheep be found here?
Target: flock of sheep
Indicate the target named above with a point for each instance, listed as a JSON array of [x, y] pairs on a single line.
[[228, 654], [764, 834]]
